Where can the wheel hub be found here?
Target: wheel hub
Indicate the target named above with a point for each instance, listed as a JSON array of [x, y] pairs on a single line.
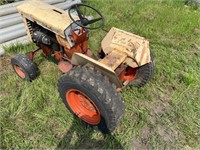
[[128, 74], [83, 106], [19, 71]]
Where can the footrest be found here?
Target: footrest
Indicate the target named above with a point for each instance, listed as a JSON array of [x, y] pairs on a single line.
[[114, 59]]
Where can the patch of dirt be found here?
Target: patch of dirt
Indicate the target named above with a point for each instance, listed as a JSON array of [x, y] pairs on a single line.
[[165, 136], [168, 134], [150, 17], [142, 142], [195, 49], [160, 107], [34, 136], [146, 132], [54, 126], [3, 94], [5, 63], [160, 104], [188, 148], [138, 145], [166, 131], [197, 30]]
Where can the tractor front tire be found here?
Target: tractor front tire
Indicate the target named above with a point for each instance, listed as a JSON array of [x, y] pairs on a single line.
[[24, 67], [91, 97]]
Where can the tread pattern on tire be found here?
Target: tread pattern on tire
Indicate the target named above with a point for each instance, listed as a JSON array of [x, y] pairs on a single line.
[[29, 67], [144, 73], [106, 94]]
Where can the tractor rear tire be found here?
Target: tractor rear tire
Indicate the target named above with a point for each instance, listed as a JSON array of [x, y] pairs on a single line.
[[24, 67], [91, 97], [144, 73]]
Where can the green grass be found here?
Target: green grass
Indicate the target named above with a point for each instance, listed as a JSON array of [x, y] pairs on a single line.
[[165, 114], [2, 2]]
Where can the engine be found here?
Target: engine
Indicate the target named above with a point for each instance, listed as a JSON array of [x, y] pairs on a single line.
[[41, 38]]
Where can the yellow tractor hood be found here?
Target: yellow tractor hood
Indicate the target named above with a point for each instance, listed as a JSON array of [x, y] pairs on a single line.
[[48, 16]]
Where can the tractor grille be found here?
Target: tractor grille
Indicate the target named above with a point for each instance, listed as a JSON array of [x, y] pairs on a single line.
[[29, 24]]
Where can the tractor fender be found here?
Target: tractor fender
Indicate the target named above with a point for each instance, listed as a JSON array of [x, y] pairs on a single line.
[[82, 60], [136, 47]]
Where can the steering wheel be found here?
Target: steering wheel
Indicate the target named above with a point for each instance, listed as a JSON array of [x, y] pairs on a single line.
[[83, 21]]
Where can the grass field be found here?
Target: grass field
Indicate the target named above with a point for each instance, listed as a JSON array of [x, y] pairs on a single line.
[[165, 114], [2, 2]]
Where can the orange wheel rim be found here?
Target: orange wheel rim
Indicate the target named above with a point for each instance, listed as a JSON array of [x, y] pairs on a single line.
[[83, 107], [128, 74], [19, 71]]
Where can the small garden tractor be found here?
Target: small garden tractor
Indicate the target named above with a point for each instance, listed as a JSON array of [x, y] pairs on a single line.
[[89, 87]]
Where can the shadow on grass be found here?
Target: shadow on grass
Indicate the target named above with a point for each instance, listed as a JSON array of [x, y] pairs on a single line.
[[81, 137]]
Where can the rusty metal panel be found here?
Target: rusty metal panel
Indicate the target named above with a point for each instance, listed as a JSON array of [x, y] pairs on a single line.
[[63, 41], [81, 59], [136, 47], [114, 59], [131, 62]]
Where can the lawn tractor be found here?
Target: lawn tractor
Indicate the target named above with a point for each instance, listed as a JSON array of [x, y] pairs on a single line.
[[89, 87]]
